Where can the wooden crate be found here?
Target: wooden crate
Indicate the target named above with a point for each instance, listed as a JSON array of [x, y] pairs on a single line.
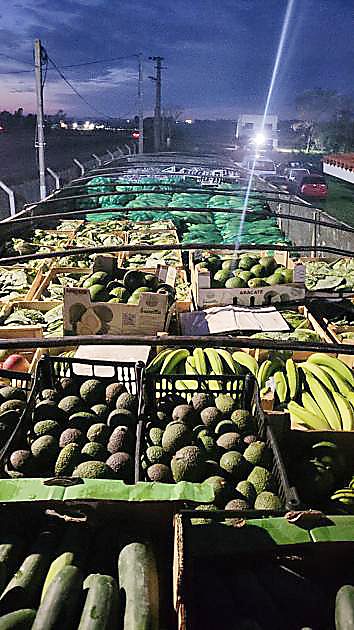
[[178, 253], [335, 331], [53, 273]]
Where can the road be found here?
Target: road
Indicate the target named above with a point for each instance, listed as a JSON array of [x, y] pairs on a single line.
[[18, 156]]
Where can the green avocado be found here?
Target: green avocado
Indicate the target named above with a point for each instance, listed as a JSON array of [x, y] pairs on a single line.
[[98, 293], [97, 278]]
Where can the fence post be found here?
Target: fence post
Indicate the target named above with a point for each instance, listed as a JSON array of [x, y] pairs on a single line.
[[314, 233], [81, 166], [11, 195], [55, 177]]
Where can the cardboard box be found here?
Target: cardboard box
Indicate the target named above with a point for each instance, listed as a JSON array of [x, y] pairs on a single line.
[[206, 296], [52, 275], [150, 316]]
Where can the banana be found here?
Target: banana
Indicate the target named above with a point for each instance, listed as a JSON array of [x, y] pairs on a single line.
[[292, 374], [190, 366], [156, 362], [315, 370], [325, 401], [346, 411], [200, 362], [307, 418], [342, 386], [226, 356], [246, 360], [215, 361], [214, 385], [311, 405], [281, 386], [186, 385], [264, 373], [335, 364], [173, 359]]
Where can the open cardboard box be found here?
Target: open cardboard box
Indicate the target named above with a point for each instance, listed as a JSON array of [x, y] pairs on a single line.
[[206, 296]]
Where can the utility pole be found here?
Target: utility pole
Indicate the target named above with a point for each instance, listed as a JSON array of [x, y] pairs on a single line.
[[157, 113], [39, 57], [141, 105]]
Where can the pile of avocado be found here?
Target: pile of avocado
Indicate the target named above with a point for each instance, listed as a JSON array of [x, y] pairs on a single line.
[[210, 439], [245, 270], [12, 404], [82, 429], [125, 286]]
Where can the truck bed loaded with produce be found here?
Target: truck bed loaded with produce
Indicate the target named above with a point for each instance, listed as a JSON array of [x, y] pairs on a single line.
[[176, 407]]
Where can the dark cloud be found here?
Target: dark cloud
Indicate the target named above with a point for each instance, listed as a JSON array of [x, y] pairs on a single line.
[[219, 55]]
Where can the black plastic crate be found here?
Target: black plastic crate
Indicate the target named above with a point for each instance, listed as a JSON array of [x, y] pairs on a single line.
[[25, 381], [244, 390], [51, 369]]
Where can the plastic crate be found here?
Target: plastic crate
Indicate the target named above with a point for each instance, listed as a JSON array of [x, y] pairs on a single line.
[[244, 390], [49, 372]]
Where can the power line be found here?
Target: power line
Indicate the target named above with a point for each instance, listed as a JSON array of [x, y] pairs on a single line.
[[70, 85], [26, 63], [90, 63]]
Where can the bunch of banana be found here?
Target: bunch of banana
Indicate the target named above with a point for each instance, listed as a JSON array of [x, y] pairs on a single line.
[[208, 361], [345, 497]]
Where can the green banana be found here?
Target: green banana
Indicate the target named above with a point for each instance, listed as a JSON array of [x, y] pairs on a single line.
[[316, 371], [199, 360], [328, 407], [215, 361], [292, 374], [214, 385], [264, 373], [319, 358], [157, 361], [281, 386], [346, 411], [311, 405], [190, 366], [342, 385], [173, 359], [246, 360], [307, 418], [227, 358]]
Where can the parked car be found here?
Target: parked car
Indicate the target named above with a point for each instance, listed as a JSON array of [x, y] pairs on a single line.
[[279, 181], [296, 174], [313, 186], [261, 167]]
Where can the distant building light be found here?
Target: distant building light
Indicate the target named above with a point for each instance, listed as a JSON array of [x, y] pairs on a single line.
[[188, 121], [259, 139], [75, 125]]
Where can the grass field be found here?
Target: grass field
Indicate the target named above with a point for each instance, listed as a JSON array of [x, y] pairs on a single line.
[[340, 201]]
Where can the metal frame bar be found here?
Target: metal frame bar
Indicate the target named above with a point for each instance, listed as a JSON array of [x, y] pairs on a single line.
[[55, 177], [11, 195]]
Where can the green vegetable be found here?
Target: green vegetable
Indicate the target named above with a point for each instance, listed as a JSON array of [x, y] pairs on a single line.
[[101, 609], [18, 620], [345, 608], [59, 607], [138, 578]]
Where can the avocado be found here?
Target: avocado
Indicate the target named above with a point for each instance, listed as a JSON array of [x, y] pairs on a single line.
[[234, 464], [222, 490], [134, 299], [71, 404], [121, 440], [121, 417], [208, 446], [92, 391], [101, 411], [93, 450], [249, 439], [45, 448], [229, 441], [113, 390], [151, 281], [140, 290], [256, 283], [258, 454], [235, 283], [133, 279], [159, 473], [213, 262], [247, 491], [225, 403], [188, 464], [175, 437], [229, 265], [12, 405], [50, 394], [98, 293], [98, 432], [119, 292], [275, 278], [201, 401], [258, 271], [48, 410], [210, 507], [244, 275], [12, 393], [243, 421], [155, 436], [268, 501], [93, 470], [115, 284], [261, 479], [246, 262], [82, 420], [269, 263], [288, 276], [237, 505], [225, 426], [221, 276], [71, 435], [22, 461], [184, 413], [210, 417], [122, 466], [10, 418], [156, 455], [127, 401], [67, 459], [69, 386], [100, 277], [47, 427]]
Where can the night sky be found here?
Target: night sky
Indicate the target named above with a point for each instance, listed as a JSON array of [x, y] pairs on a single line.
[[219, 55]]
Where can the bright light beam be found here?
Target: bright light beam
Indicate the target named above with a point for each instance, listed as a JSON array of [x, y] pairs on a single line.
[[282, 39]]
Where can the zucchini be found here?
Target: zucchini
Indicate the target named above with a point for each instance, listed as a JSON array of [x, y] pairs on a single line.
[[11, 552], [345, 608], [101, 609], [58, 609], [138, 578], [18, 620], [24, 588], [64, 560]]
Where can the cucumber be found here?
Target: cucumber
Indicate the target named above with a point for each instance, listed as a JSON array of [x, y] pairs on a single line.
[[138, 578], [58, 609], [24, 588], [101, 610], [345, 608], [64, 560], [11, 552], [18, 620]]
